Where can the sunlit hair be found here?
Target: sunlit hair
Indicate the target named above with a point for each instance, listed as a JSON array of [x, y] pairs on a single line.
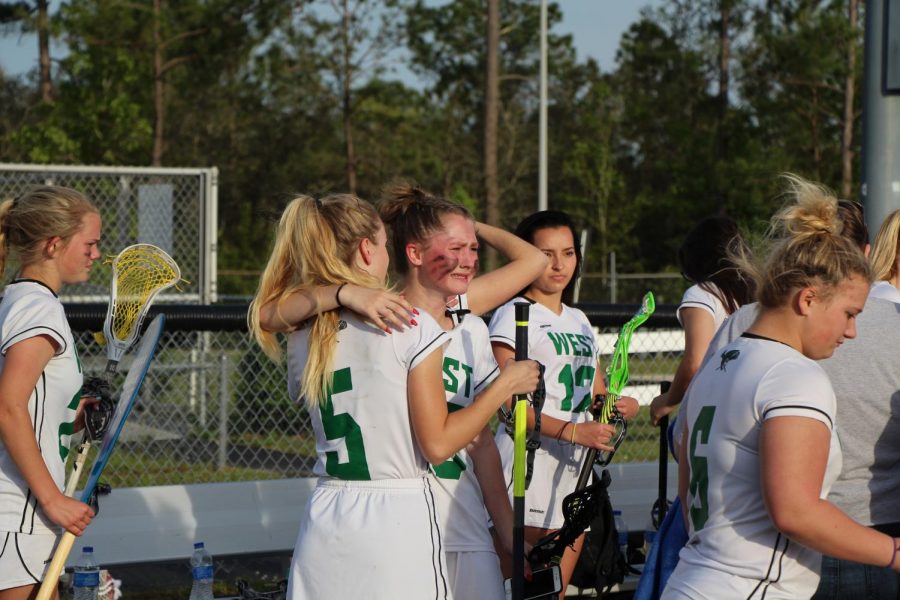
[[886, 248], [704, 260], [36, 216], [552, 219], [413, 216], [853, 217], [315, 245], [807, 247]]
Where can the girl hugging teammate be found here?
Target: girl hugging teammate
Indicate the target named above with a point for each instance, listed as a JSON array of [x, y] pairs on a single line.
[[371, 375]]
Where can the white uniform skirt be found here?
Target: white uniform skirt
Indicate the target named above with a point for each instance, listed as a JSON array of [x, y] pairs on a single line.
[[369, 539], [557, 465]]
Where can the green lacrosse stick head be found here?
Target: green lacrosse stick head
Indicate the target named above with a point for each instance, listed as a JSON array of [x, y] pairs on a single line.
[[617, 370]]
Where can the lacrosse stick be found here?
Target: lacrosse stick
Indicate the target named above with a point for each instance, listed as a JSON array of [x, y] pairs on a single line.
[[581, 507], [139, 273], [520, 415], [130, 389]]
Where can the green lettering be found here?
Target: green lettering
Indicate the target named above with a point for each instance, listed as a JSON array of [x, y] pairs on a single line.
[[343, 426], [451, 383], [699, 508]]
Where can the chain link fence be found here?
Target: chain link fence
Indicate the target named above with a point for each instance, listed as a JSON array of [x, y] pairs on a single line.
[[174, 209], [214, 408]]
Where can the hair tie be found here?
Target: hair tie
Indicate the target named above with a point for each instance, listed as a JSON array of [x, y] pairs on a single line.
[[318, 204]]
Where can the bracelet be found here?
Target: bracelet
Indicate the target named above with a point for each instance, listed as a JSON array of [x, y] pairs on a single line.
[[894, 554], [574, 427], [560, 432], [337, 295]]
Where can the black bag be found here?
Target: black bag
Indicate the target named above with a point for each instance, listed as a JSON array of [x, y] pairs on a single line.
[[601, 564]]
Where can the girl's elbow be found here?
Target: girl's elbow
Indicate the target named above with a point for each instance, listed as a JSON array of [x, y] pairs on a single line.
[[789, 522], [435, 452]]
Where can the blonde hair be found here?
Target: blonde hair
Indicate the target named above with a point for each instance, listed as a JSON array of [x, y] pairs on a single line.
[[807, 248], [886, 248], [37, 215], [315, 245]]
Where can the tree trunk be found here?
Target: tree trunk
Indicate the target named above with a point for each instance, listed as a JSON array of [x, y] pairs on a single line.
[[159, 89], [849, 92], [43, 27], [346, 100], [491, 117]]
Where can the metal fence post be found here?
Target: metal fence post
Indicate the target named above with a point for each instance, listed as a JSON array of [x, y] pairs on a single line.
[[224, 401]]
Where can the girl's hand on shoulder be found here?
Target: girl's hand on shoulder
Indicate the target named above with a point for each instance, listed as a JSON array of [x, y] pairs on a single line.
[[386, 310], [628, 407], [68, 513], [592, 434]]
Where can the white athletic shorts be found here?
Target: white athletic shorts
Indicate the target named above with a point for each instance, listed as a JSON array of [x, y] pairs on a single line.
[[475, 576], [556, 468], [24, 558], [370, 539]]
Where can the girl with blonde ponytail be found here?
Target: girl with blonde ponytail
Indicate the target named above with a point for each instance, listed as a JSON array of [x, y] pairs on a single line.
[[370, 375], [53, 234], [760, 450]]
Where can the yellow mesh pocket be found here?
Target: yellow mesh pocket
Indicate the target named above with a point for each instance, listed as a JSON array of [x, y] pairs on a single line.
[[139, 273]]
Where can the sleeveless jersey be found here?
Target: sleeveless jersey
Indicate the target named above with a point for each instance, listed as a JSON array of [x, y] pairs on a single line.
[[469, 367], [734, 549], [363, 430], [29, 309]]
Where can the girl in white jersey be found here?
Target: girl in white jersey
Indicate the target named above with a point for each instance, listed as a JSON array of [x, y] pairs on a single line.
[[53, 232], [719, 289], [436, 248], [561, 338], [377, 406], [759, 450]]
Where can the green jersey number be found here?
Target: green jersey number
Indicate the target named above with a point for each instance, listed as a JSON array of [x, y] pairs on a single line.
[[699, 473], [584, 376], [343, 426]]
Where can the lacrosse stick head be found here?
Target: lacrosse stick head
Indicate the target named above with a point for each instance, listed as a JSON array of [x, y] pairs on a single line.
[[139, 273]]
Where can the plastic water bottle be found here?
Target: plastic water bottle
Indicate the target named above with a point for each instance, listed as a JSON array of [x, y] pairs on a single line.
[[622, 530], [87, 576], [202, 572]]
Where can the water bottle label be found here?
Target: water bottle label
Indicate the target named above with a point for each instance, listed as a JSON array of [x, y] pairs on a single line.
[[203, 572], [89, 579]]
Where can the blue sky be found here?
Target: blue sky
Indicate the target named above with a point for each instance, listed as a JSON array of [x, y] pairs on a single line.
[[595, 25]]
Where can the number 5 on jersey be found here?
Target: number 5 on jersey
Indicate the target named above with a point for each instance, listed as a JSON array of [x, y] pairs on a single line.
[[343, 426]]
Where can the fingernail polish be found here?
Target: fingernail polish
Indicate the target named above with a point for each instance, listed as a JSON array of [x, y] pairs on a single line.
[[415, 311], [412, 322]]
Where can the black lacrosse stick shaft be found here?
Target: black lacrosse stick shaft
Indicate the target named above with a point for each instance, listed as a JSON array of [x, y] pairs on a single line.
[[663, 460], [517, 586]]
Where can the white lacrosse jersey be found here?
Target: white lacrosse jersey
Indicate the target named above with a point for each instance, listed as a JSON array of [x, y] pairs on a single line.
[[697, 297], [734, 549], [566, 346], [363, 430], [29, 308], [469, 367]]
